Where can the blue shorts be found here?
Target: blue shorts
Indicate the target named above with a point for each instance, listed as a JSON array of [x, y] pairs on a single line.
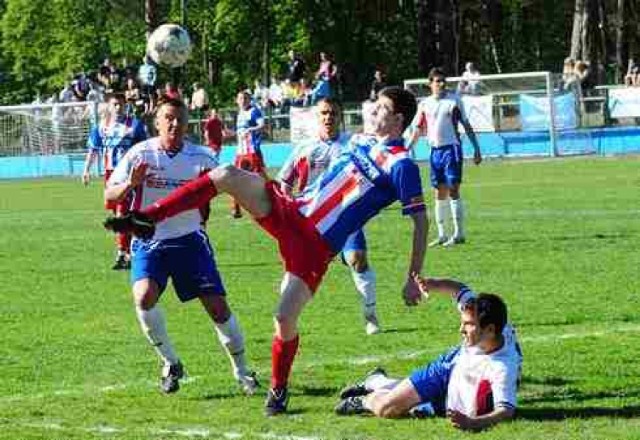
[[431, 382], [446, 165], [188, 260]]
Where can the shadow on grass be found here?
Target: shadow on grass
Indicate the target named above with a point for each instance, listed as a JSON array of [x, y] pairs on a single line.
[[552, 381], [554, 413], [572, 395], [401, 330]]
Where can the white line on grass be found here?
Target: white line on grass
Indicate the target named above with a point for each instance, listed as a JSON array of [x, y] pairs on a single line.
[[358, 360], [189, 432]]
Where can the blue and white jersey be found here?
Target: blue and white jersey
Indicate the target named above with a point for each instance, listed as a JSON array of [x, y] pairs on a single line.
[[249, 141], [167, 171], [358, 184], [477, 375], [112, 138]]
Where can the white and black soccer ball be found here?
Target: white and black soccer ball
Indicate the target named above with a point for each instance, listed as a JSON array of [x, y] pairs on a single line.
[[169, 45]]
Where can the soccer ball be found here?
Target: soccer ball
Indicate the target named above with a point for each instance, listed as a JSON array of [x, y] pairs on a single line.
[[170, 45]]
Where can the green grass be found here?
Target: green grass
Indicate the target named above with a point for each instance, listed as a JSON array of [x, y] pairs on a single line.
[[557, 238]]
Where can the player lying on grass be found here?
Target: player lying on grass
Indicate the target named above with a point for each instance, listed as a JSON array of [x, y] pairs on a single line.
[[312, 227], [179, 249], [473, 384]]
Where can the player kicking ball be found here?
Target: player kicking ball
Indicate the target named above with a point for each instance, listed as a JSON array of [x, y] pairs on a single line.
[[312, 227], [473, 384]]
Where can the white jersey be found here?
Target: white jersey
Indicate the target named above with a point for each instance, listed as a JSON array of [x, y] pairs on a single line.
[[166, 173], [310, 160], [476, 374], [440, 116]]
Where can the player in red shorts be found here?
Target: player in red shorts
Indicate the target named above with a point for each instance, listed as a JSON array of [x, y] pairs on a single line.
[[111, 139], [312, 227]]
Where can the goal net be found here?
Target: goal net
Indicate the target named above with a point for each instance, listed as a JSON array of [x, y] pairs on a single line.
[[512, 113], [45, 129]]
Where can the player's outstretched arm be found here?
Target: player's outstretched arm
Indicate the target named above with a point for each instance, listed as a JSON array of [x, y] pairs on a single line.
[[411, 291], [442, 285]]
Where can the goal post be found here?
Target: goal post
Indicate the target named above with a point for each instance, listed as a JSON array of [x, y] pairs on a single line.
[[45, 129]]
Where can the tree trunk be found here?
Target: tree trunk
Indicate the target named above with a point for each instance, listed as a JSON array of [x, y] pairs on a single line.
[[576, 32], [423, 40], [620, 61], [150, 15]]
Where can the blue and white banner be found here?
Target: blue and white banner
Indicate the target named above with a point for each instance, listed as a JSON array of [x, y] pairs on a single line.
[[534, 112], [303, 123], [479, 111], [624, 103]]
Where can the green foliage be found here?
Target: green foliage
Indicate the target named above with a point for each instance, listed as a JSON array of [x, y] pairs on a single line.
[[556, 238]]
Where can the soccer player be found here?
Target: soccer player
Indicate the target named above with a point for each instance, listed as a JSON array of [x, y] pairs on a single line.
[[179, 249], [440, 114], [311, 228], [302, 168], [473, 384], [249, 126], [112, 138]]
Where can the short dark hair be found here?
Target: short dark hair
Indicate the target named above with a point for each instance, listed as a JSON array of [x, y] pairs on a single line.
[[178, 103], [404, 102], [490, 309], [436, 72], [331, 101]]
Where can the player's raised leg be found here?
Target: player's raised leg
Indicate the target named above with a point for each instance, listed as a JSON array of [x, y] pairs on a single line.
[[294, 295]]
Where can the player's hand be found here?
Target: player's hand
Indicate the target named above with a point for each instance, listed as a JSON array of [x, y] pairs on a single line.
[[86, 178], [460, 421], [138, 174], [411, 292], [423, 283], [477, 157]]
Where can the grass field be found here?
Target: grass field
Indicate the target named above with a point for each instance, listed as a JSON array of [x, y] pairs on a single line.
[[557, 238]]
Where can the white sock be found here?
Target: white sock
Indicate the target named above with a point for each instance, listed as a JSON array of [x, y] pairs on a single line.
[[441, 216], [457, 214], [378, 382], [154, 327], [231, 338], [366, 285]]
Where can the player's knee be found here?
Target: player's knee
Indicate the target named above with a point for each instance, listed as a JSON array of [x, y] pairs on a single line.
[[217, 307], [357, 261], [222, 173], [387, 408], [145, 299]]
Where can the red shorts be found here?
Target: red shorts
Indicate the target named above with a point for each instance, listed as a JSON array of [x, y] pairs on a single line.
[[121, 207], [250, 162], [302, 249]]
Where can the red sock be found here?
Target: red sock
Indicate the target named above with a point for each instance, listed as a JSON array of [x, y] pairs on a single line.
[[282, 355], [191, 195]]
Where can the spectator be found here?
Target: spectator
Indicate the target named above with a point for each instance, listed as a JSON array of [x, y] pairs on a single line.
[[632, 78], [147, 75], [66, 94], [584, 76], [470, 83], [171, 91], [568, 73], [199, 100], [213, 131], [379, 82], [327, 70], [134, 102], [296, 68]]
